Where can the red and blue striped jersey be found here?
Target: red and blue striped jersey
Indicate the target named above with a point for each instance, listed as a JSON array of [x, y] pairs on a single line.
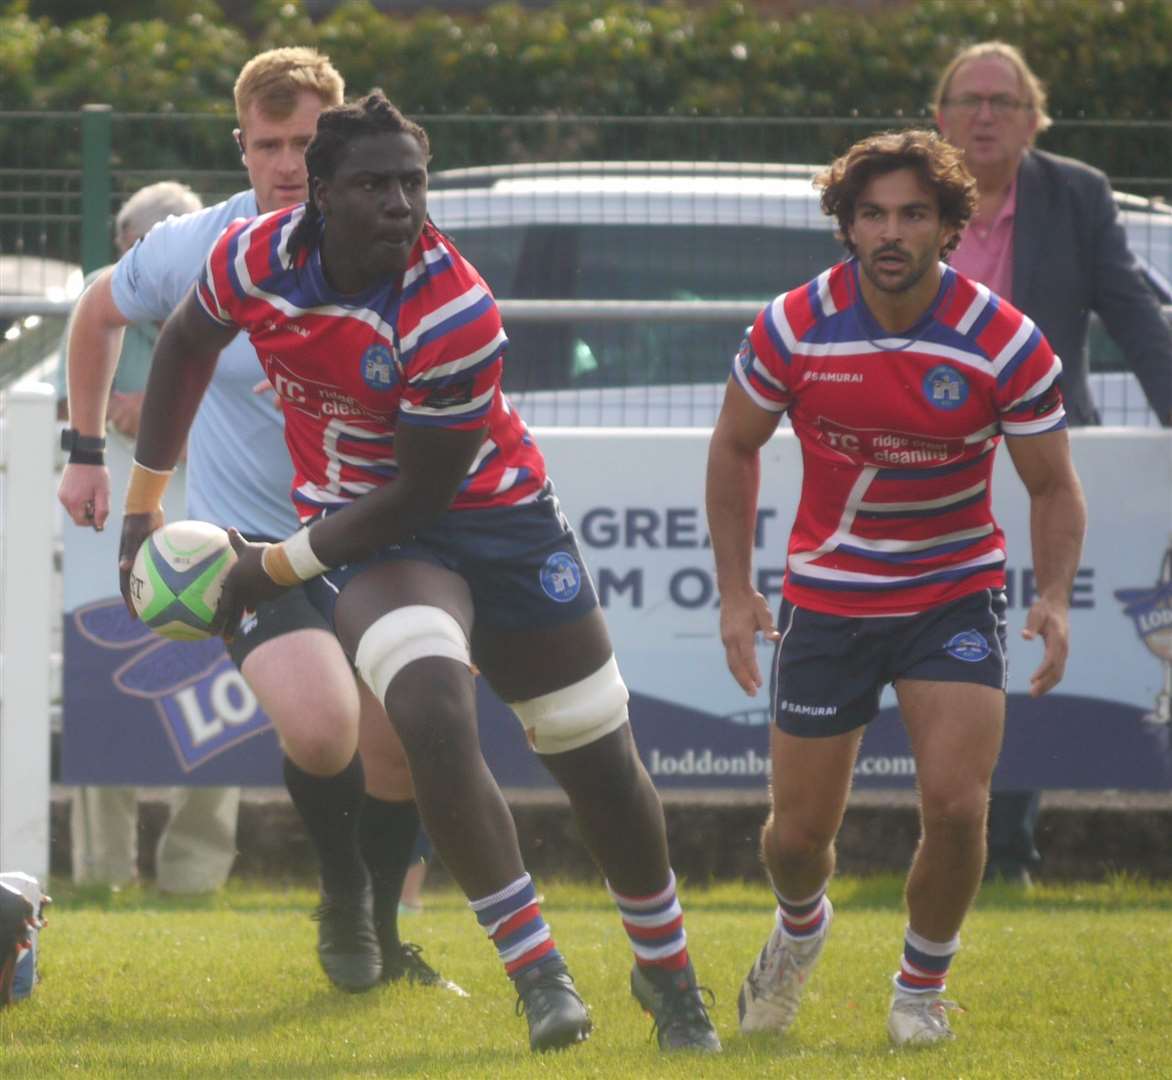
[[350, 367], [898, 434]]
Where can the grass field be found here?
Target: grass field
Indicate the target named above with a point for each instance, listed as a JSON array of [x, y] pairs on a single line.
[[1070, 981]]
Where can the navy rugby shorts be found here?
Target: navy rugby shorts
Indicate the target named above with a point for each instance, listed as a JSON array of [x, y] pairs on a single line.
[[522, 564], [828, 670]]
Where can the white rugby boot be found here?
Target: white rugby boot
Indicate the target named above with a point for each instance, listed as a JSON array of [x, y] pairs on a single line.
[[919, 1019], [772, 990]]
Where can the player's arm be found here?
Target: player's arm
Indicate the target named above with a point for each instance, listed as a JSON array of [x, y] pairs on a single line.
[[1058, 520], [432, 462], [93, 347], [185, 357], [734, 469]]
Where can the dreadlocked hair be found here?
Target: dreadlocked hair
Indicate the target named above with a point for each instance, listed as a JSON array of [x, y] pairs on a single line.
[[336, 129]]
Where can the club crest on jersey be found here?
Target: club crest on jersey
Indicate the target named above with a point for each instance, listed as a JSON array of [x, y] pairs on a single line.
[[971, 646], [560, 577], [378, 368], [745, 355], [945, 387]]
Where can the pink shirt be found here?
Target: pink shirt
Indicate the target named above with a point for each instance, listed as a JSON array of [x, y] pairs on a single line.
[[985, 252]]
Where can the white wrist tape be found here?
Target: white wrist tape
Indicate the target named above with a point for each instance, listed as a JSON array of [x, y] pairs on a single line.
[[304, 562]]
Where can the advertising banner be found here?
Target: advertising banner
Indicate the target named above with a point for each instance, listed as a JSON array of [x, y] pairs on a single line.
[[141, 710]]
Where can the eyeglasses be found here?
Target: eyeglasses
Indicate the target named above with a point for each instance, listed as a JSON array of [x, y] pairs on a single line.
[[999, 104]]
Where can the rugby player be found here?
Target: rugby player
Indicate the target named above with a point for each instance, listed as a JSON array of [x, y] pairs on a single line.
[[901, 377], [292, 662], [432, 541]]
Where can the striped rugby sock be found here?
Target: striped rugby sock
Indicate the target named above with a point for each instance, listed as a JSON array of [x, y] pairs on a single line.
[[802, 920], [512, 918], [655, 925], [924, 966]]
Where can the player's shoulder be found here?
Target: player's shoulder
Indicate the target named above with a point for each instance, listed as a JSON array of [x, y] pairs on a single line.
[[797, 311], [439, 275], [200, 228], [971, 308]]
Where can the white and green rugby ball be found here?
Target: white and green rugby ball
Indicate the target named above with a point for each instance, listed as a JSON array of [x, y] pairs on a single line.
[[177, 578]]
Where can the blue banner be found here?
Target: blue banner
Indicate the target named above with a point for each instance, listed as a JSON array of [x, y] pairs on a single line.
[[140, 710]]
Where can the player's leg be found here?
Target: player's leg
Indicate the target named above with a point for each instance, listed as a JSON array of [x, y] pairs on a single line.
[[953, 705], [955, 731], [304, 684], [407, 623], [824, 690], [388, 833], [564, 685]]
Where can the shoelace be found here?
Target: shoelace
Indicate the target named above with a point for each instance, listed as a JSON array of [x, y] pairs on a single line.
[[936, 1010], [686, 1007], [415, 967]]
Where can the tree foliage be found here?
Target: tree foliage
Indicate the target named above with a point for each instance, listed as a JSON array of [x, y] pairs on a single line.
[[1110, 59]]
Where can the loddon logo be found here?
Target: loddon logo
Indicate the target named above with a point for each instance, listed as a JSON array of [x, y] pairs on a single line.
[[1151, 611]]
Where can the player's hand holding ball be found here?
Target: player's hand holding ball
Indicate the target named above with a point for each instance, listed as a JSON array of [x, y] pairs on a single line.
[[135, 529], [245, 587]]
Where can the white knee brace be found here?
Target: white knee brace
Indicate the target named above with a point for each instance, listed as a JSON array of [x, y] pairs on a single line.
[[405, 634], [576, 715]]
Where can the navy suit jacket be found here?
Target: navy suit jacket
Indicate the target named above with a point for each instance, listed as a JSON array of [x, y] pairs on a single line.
[[1070, 257]]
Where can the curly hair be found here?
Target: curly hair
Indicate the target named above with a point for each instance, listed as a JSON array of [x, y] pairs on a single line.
[[939, 165], [336, 129]]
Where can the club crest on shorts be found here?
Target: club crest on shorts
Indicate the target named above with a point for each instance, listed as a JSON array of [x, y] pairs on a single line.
[[561, 580], [378, 368], [971, 646], [945, 387]]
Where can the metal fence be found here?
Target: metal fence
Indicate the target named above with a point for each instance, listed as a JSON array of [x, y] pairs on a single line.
[[574, 359]]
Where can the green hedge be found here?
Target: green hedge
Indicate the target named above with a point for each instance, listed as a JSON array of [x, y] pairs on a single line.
[[666, 71], [1100, 59]]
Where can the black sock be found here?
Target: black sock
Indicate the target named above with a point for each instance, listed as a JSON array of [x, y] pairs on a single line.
[[330, 807], [386, 836]]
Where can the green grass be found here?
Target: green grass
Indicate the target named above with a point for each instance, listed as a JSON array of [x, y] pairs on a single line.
[[1069, 981]]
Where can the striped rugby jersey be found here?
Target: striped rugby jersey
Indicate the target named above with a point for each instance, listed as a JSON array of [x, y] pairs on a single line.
[[898, 435], [349, 368]]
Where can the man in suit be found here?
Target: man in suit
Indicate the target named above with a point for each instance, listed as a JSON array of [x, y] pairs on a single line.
[[1047, 236]]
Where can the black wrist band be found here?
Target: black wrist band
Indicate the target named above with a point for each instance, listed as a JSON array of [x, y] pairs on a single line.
[[77, 456], [72, 439]]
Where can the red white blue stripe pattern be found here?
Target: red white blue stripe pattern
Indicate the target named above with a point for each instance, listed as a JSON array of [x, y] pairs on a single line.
[[925, 964], [655, 926], [512, 918], [898, 435], [802, 919], [427, 349]]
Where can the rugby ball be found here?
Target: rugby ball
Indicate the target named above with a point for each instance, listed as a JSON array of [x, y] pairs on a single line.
[[177, 578]]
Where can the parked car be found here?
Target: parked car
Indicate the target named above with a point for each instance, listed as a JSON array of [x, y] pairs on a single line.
[[674, 232]]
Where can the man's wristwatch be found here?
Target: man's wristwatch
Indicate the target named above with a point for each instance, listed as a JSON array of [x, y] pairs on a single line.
[[84, 449]]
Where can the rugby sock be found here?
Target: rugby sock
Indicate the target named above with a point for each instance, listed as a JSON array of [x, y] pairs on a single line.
[[330, 806], [802, 920], [655, 925], [924, 966], [386, 838], [512, 918]]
